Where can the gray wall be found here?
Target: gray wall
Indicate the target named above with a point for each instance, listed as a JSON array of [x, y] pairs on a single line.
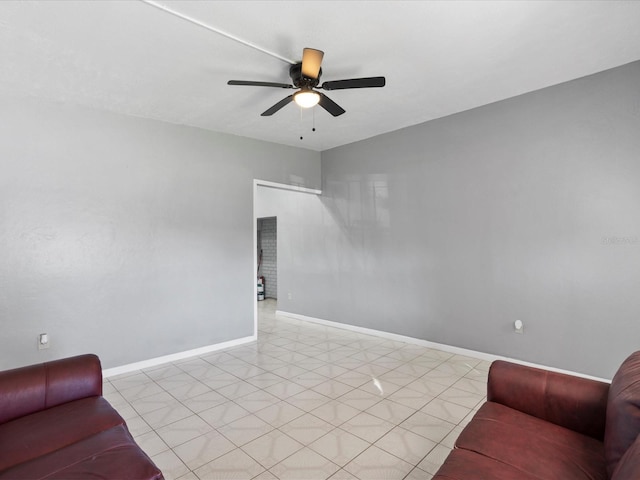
[[126, 237], [268, 241], [449, 231]]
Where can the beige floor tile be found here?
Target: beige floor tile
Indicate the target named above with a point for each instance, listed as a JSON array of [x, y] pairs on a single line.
[[441, 378], [367, 427], [434, 460], [472, 386], [454, 368], [137, 425], [426, 387], [307, 428], [399, 378], [343, 475], [203, 449], [372, 369], [418, 474], [335, 412], [302, 381], [359, 399], [189, 476], [286, 389], [164, 371], [151, 443], [461, 397], [309, 379], [406, 445], [379, 388], [415, 369], [235, 465], [330, 370], [166, 415], [185, 392], [175, 381], [305, 464], [128, 380], [354, 378], [245, 429], [237, 390], [339, 446], [221, 415], [448, 411], [410, 398], [308, 400], [257, 401], [183, 430], [272, 448], [289, 372], [266, 475], [265, 380], [332, 388], [141, 391], [204, 401], [428, 426], [221, 381], [450, 440], [391, 411], [376, 464], [279, 414], [155, 402], [126, 411], [170, 465]]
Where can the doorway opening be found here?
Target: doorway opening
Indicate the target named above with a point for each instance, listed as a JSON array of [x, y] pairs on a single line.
[[267, 254]]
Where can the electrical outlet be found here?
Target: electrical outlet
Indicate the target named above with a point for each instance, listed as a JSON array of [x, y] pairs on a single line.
[[518, 327], [290, 296], [43, 341]]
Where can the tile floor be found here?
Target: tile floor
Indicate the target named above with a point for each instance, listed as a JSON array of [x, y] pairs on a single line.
[[303, 402]]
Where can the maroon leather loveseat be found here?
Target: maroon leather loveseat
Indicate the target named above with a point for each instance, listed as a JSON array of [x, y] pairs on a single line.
[[539, 425], [55, 424]]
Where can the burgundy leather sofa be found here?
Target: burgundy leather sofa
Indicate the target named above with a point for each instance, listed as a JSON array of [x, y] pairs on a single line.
[[539, 425], [55, 424]]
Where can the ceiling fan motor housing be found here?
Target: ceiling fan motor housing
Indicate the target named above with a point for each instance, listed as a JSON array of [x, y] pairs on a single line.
[[299, 80]]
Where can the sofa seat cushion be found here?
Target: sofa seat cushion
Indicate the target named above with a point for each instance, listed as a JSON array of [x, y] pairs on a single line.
[[41, 433], [532, 446], [467, 465], [111, 453]]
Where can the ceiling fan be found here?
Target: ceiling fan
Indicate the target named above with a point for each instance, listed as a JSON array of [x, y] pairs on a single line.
[[305, 76]]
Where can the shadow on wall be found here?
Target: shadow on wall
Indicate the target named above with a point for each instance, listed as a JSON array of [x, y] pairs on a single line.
[[361, 201]]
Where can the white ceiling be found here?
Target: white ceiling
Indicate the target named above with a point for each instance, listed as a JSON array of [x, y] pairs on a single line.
[[438, 57]]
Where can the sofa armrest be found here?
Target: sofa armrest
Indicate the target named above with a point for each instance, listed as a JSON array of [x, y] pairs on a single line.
[[30, 389], [578, 404]]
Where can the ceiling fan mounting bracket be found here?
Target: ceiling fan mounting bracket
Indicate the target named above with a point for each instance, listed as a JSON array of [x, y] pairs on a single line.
[[299, 80]]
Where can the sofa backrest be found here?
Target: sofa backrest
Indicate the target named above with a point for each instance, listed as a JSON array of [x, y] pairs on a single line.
[[30, 389], [623, 412]]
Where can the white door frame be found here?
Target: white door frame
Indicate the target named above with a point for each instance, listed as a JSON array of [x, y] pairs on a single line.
[[282, 186]]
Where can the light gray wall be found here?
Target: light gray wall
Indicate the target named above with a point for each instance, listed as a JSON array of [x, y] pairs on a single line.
[[449, 231], [126, 237]]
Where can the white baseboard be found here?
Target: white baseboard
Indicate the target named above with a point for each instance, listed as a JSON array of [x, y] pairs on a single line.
[[153, 362], [438, 346]]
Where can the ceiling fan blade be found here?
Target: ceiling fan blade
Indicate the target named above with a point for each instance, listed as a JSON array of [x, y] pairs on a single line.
[[368, 82], [282, 103], [311, 60], [330, 106], [259, 84]]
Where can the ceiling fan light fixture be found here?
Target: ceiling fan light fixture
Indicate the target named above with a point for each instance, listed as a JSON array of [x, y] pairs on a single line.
[[306, 98]]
